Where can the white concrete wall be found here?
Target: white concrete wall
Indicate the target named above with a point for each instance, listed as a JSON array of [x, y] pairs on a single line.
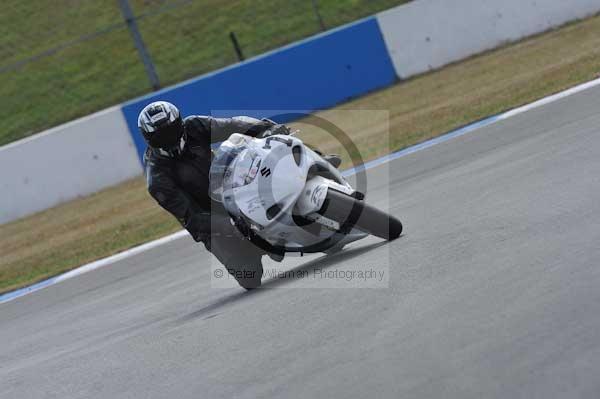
[[428, 34], [66, 162]]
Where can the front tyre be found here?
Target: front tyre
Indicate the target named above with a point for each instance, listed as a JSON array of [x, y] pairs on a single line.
[[350, 212]]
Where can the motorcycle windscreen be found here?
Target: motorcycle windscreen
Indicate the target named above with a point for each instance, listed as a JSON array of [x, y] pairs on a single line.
[[234, 165]]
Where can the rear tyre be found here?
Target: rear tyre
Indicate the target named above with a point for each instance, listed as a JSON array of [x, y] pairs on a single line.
[[351, 212]]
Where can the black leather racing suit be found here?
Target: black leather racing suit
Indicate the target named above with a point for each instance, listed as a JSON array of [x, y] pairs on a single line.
[[179, 183]]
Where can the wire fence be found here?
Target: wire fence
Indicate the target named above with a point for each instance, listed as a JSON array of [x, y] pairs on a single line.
[[61, 59]]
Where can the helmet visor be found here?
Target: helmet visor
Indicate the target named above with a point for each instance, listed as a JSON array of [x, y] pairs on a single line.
[[167, 136]]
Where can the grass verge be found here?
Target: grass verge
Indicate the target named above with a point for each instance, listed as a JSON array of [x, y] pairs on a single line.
[[118, 218], [76, 77]]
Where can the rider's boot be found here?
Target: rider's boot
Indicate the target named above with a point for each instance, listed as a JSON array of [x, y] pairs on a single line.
[[333, 159], [277, 257]]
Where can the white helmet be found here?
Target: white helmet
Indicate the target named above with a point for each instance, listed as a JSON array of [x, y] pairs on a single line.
[[161, 125]]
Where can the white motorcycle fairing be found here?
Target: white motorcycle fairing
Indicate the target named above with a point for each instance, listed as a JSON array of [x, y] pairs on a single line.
[[278, 185]]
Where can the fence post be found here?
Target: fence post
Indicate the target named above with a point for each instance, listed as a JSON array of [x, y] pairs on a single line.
[[139, 43], [318, 14], [236, 46]]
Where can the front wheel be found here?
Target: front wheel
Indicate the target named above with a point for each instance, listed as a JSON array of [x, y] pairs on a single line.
[[351, 212]]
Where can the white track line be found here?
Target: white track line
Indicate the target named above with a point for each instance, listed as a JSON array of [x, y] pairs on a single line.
[[385, 159]]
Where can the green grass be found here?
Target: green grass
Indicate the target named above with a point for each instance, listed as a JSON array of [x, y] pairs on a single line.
[[118, 218], [183, 41]]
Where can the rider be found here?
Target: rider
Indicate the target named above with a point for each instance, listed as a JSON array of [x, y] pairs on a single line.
[[177, 163]]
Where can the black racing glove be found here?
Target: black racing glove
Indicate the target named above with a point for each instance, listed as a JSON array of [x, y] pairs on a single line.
[[275, 128]]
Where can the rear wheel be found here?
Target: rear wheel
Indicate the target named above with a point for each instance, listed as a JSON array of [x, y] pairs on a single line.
[[351, 212]]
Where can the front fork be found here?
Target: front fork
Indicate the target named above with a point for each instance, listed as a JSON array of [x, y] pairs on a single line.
[[313, 196]]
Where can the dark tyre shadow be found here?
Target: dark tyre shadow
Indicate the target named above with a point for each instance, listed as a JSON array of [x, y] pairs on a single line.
[[322, 262]]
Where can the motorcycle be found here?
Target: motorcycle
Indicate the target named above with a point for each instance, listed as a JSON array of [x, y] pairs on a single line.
[[289, 199]]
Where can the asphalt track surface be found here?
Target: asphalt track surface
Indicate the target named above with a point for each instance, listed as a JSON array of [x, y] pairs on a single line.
[[493, 291]]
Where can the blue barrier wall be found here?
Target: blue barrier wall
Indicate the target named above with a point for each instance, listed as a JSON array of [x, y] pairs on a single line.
[[313, 74]]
